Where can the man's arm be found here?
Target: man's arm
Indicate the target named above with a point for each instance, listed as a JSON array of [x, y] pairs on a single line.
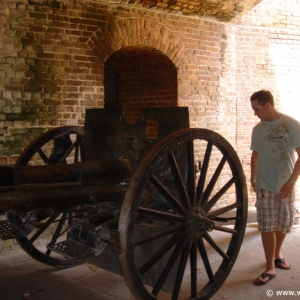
[[288, 187], [254, 162]]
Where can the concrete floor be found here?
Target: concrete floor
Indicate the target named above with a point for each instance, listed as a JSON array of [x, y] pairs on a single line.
[[21, 277]]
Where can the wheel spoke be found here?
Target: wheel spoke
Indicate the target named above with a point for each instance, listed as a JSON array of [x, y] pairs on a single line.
[[77, 148], [205, 259], [161, 214], [179, 182], [224, 229], [168, 195], [222, 210], [169, 265], [160, 253], [67, 153], [71, 217], [193, 260], [161, 233], [219, 194], [191, 174], [43, 156], [208, 238], [43, 228], [224, 220], [180, 272], [213, 180], [203, 174], [57, 232]]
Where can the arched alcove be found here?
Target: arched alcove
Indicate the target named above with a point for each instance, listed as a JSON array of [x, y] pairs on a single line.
[[137, 77]]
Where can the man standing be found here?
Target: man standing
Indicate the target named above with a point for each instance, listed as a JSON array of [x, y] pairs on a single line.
[[274, 172]]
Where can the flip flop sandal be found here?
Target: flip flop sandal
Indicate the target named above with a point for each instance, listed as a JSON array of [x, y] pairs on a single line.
[[278, 264], [266, 276]]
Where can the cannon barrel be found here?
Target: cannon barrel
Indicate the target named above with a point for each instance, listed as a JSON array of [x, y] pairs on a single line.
[[36, 187], [83, 172], [34, 199]]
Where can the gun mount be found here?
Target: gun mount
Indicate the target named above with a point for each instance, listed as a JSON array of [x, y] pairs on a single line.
[[144, 208]]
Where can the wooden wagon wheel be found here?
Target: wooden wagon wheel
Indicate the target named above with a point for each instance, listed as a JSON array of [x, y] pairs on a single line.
[[56, 146], [173, 214]]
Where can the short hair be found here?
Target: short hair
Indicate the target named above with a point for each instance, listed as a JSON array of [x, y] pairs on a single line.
[[263, 97]]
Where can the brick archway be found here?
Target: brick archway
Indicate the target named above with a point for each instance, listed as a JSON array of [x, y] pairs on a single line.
[[137, 32]]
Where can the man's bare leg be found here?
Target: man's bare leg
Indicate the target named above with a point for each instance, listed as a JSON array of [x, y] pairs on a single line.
[[279, 241], [269, 244]]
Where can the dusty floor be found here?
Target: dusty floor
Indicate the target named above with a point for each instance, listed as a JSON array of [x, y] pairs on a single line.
[[21, 277]]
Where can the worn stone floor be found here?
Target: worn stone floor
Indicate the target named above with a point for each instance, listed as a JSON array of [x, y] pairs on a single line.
[[21, 277]]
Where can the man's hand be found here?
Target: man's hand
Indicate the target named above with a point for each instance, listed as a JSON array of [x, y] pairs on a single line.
[[253, 185], [286, 190], [253, 164]]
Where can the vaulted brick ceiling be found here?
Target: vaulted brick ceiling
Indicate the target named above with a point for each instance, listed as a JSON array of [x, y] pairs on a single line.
[[221, 10]]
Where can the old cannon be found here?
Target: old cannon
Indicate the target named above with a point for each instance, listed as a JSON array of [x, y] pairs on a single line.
[[148, 209]]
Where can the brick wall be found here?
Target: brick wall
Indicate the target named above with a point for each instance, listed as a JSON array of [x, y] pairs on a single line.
[[53, 58], [267, 56], [53, 63]]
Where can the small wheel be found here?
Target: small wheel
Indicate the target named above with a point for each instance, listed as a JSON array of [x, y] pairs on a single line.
[[57, 146], [54, 147], [189, 189]]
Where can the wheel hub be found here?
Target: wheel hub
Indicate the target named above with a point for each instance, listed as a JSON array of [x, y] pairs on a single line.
[[197, 223]]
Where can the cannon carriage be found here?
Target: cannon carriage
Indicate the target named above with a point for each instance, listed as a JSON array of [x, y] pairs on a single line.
[[147, 209]]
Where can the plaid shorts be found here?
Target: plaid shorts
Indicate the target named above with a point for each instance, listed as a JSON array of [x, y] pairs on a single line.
[[274, 213]]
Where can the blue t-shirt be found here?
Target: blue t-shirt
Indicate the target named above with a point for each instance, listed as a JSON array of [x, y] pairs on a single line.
[[275, 143]]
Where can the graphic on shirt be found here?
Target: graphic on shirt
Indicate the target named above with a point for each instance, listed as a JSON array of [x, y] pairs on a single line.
[[277, 134]]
